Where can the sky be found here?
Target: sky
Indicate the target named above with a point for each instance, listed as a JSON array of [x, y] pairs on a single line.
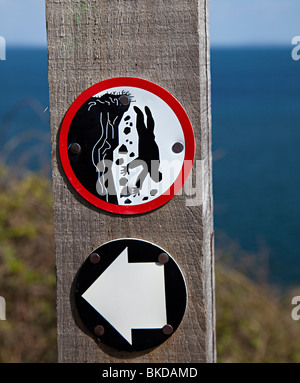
[[22, 22], [254, 22], [232, 22]]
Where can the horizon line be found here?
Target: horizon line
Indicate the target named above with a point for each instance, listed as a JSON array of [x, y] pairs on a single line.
[[212, 45]]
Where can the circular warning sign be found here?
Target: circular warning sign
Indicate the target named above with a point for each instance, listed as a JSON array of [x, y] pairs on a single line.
[[130, 294], [126, 145]]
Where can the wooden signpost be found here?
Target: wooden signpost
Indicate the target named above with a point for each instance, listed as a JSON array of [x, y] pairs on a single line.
[[163, 42]]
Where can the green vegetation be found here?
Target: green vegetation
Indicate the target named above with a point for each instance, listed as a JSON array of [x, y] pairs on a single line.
[[27, 273], [253, 323]]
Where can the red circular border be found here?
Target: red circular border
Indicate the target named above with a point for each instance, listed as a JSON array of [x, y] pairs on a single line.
[[184, 122]]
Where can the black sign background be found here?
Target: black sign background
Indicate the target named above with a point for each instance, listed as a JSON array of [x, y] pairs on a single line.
[[138, 251]]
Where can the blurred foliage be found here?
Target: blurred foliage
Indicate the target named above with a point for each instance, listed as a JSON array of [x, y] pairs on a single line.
[[27, 273], [254, 322]]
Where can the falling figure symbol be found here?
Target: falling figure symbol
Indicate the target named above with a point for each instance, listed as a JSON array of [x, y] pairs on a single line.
[[95, 128], [111, 112], [124, 144], [95, 132], [148, 152]]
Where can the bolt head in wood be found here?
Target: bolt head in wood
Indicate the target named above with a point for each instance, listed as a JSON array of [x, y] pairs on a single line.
[[75, 148], [99, 330], [124, 100], [163, 258], [95, 258], [177, 147], [167, 329]]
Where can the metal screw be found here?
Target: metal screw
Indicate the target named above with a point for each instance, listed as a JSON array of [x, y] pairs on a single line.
[[167, 329], [99, 330], [124, 100], [177, 147], [163, 258], [95, 258], [75, 148]]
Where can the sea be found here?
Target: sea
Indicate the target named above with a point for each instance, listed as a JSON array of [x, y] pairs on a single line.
[[255, 135]]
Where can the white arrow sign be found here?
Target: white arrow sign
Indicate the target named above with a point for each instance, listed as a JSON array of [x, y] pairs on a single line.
[[130, 295]]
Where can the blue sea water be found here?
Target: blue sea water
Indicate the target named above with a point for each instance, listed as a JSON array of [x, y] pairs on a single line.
[[24, 117], [256, 136], [255, 109]]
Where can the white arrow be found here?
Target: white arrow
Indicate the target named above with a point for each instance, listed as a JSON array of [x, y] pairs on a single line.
[[130, 295]]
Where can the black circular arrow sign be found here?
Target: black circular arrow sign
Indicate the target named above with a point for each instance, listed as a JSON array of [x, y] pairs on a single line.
[[130, 294]]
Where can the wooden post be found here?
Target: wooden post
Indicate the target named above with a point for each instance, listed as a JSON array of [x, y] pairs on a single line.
[[164, 41]]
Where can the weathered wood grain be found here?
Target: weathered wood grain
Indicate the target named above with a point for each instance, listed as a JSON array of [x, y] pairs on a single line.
[[164, 41]]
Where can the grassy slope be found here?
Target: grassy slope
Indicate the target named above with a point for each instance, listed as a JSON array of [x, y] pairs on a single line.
[[253, 325], [27, 273]]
